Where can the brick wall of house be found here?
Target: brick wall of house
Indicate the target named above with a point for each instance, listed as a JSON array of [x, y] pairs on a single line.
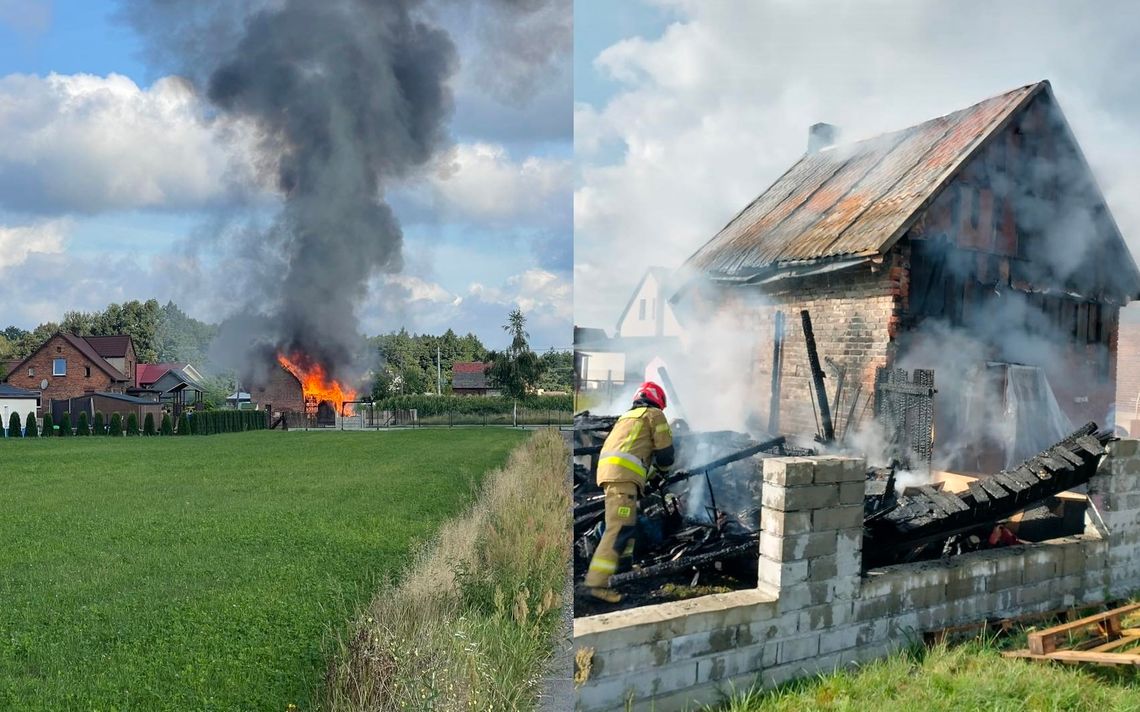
[[74, 384], [281, 390], [854, 316]]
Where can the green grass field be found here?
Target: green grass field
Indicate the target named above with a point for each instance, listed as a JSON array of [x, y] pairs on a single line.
[[209, 573]]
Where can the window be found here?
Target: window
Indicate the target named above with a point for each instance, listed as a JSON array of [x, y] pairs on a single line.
[[653, 309], [59, 367], [641, 311], [31, 373], [87, 372]]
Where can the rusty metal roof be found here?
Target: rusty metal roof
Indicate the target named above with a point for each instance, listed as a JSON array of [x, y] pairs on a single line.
[[855, 200]]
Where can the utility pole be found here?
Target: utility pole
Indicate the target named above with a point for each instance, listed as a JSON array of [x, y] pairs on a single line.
[[438, 374]]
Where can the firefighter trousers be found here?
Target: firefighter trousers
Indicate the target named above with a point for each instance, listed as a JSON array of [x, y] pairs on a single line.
[[621, 525]]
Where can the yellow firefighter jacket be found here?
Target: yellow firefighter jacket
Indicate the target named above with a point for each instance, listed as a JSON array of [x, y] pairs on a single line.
[[631, 447]]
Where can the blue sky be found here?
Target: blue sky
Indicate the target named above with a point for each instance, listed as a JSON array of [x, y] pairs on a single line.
[[131, 179]]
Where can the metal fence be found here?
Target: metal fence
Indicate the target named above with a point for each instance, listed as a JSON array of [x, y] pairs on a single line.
[[366, 418]]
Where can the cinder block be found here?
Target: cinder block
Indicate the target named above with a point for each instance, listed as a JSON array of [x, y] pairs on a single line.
[[852, 493], [810, 497], [846, 587], [783, 575], [788, 471], [849, 516], [823, 568], [700, 644], [793, 649], [923, 596], [867, 609], [849, 544], [828, 470], [962, 586], [838, 639], [770, 632], [1003, 580], [774, 497], [780, 523], [621, 661]]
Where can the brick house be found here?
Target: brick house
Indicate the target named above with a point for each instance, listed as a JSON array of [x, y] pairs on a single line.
[[961, 221], [279, 391], [67, 366]]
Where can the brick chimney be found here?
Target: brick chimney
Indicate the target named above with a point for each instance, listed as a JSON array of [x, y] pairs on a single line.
[[821, 136]]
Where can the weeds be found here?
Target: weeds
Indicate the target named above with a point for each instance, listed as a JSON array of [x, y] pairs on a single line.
[[471, 625]]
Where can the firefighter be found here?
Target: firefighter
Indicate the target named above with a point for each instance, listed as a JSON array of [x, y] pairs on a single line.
[[640, 441]]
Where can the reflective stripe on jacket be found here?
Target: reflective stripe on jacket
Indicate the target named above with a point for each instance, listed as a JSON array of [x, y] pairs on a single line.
[[630, 448]]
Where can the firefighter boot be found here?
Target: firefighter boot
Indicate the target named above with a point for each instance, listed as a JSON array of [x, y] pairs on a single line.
[[604, 594]]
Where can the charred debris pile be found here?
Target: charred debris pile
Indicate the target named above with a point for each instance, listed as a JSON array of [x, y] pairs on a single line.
[[699, 527]]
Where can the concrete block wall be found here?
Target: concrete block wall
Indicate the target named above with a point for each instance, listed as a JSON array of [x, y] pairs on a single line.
[[813, 611]]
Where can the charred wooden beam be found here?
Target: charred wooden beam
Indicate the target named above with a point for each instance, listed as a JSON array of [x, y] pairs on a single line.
[[930, 516], [817, 378], [684, 563]]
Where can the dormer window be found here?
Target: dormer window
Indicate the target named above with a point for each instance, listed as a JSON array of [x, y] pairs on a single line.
[[59, 367]]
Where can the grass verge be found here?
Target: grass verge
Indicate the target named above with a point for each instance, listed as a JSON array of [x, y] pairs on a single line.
[[471, 625], [969, 676], [207, 573]]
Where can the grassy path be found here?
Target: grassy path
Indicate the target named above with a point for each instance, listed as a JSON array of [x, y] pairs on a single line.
[[206, 573]]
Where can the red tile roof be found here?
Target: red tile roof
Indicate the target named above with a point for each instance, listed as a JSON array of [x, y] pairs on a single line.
[[147, 373]]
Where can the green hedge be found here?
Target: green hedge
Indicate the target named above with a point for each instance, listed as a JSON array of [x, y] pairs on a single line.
[[212, 422], [473, 405]]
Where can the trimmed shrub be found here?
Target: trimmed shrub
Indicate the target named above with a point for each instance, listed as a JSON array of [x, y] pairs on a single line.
[[31, 426], [82, 428], [65, 425], [473, 405], [183, 425], [100, 427], [148, 424], [132, 424], [192, 420], [116, 424], [167, 426], [49, 426], [14, 425]]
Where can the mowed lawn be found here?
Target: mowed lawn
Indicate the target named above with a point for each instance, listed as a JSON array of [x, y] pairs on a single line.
[[209, 573]]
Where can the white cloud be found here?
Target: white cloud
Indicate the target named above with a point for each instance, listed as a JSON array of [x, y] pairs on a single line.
[[18, 242], [711, 112], [480, 182], [87, 144]]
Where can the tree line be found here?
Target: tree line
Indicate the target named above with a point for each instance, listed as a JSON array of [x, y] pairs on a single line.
[[406, 362]]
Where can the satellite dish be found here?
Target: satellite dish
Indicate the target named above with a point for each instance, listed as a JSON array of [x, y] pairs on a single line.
[[43, 383]]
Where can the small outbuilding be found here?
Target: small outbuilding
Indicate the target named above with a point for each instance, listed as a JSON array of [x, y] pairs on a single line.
[[19, 401]]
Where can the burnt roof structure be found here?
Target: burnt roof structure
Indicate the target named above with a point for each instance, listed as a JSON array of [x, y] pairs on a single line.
[[851, 203]]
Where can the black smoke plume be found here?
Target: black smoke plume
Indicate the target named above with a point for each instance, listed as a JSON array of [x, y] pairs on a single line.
[[345, 97]]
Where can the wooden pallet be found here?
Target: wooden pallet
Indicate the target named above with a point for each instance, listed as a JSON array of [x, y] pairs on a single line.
[[1109, 636]]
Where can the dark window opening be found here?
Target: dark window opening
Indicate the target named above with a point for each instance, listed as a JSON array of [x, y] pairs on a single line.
[[87, 372]]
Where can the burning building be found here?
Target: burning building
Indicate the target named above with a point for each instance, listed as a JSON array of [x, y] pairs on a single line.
[[977, 244], [300, 388]]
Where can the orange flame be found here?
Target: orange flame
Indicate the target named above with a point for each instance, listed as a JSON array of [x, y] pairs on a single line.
[[315, 383]]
